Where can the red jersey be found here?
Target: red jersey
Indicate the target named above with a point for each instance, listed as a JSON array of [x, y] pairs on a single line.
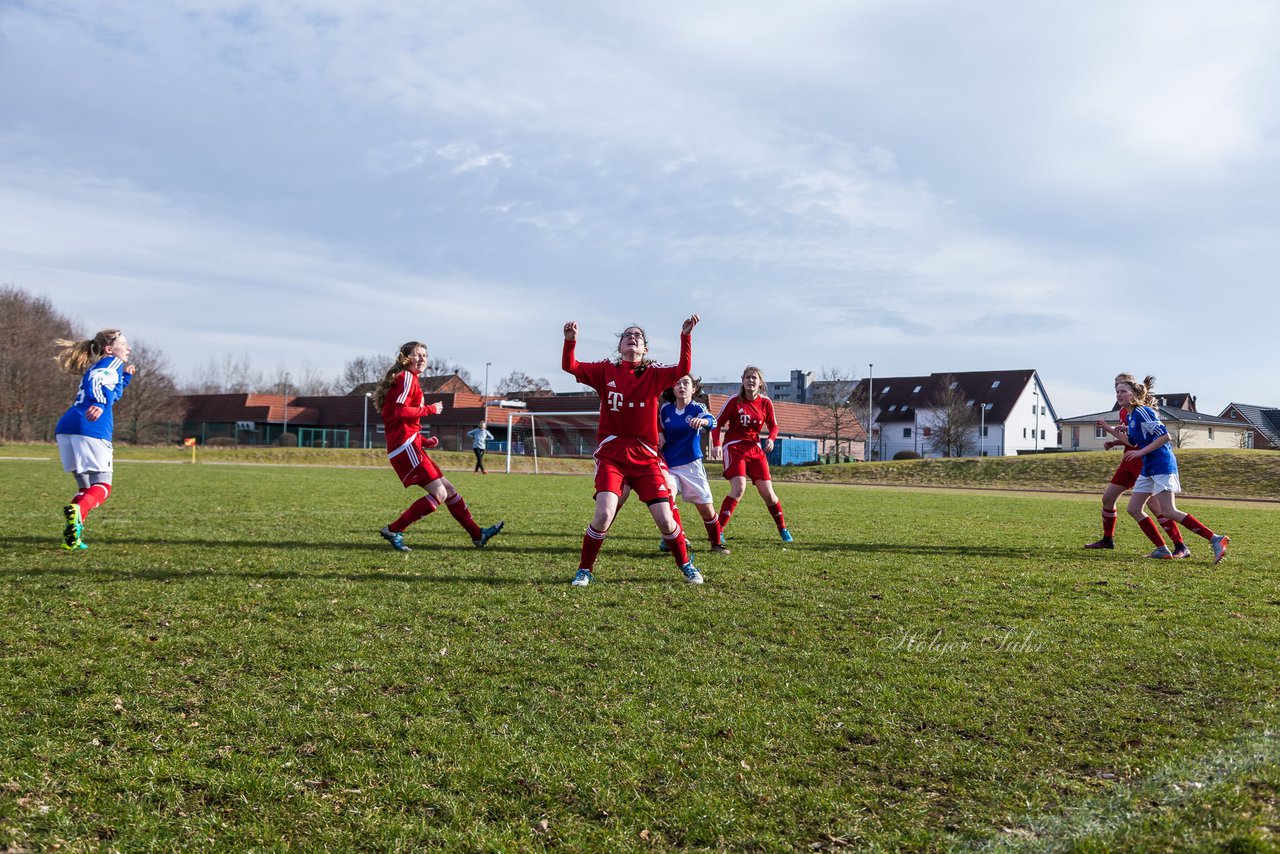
[[741, 420], [629, 402], [402, 411]]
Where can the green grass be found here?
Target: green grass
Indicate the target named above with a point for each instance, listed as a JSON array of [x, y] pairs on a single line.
[[1209, 473], [240, 662]]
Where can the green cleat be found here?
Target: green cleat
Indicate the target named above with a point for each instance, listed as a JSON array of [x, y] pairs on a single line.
[[74, 527], [487, 534]]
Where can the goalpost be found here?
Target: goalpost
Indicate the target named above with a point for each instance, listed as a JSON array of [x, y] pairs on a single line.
[[551, 434]]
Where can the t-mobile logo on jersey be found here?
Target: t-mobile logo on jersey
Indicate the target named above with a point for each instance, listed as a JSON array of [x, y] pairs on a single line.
[[615, 400], [745, 419]]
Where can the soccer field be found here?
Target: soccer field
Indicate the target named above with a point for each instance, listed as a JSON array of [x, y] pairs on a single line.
[[240, 661]]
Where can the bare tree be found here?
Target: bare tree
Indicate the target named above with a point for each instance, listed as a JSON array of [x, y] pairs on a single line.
[[36, 392], [227, 375], [518, 382], [151, 410], [1179, 433], [441, 367], [842, 399], [952, 420], [365, 369]]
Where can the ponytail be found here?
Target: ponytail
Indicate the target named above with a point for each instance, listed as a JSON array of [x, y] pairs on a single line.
[[75, 357]]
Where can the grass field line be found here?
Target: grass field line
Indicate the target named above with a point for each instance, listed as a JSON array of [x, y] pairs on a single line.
[[1176, 786]]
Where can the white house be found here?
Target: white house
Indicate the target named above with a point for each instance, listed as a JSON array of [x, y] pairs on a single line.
[[1011, 413]]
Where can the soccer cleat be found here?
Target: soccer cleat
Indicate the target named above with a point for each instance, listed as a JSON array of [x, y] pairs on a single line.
[[720, 549], [691, 573], [1181, 550], [1219, 543], [1162, 553], [74, 527], [786, 535], [487, 534], [1104, 543], [396, 539], [582, 578], [662, 546]]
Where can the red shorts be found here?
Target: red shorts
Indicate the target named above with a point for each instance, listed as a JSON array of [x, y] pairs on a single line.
[[746, 459], [634, 464], [413, 466], [1127, 473]]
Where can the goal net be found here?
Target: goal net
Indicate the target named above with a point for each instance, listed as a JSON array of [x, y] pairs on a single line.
[[544, 436]]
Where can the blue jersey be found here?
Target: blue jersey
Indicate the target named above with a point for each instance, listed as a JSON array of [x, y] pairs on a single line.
[[1145, 428], [100, 386], [681, 443]]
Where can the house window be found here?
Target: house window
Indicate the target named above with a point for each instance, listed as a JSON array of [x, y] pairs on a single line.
[[916, 390], [1042, 435], [884, 390], [986, 431], [1075, 436], [906, 432], [1210, 434], [988, 406], [954, 384], [928, 431], [893, 407], [1098, 432], [1044, 411], [970, 403], [1024, 432], [996, 384]]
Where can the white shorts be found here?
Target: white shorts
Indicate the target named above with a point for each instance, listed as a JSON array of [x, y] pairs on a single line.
[[84, 453], [692, 478], [1157, 483]]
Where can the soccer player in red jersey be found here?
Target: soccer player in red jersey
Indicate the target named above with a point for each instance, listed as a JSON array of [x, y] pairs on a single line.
[[627, 453], [399, 397], [1126, 475], [742, 419]]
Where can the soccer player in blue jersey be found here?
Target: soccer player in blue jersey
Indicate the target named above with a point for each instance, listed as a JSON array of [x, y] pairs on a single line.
[[1158, 482], [85, 430], [682, 420]]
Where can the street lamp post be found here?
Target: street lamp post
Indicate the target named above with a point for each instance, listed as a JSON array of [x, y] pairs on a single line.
[[286, 409], [364, 433], [982, 431], [871, 368], [486, 382]]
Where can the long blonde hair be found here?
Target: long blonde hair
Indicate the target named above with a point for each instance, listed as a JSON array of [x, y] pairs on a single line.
[[1142, 391], [75, 357], [401, 365]]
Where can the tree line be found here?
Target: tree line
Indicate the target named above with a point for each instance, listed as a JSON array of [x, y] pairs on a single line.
[[36, 392]]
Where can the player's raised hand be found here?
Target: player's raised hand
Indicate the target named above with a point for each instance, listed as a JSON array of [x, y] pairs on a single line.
[[689, 324], [571, 331]]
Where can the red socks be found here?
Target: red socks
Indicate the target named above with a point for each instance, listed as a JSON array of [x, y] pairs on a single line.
[[1152, 531], [91, 498], [1171, 528], [1109, 524], [775, 510], [1195, 526], [458, 508], [592, 540], [726, 511], [713, 531], [424, 506]]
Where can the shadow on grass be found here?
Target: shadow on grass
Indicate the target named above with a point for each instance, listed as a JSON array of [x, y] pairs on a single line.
[[624, 545]]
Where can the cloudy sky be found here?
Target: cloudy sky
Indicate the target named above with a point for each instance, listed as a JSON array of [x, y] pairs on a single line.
[[1076, 187]]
